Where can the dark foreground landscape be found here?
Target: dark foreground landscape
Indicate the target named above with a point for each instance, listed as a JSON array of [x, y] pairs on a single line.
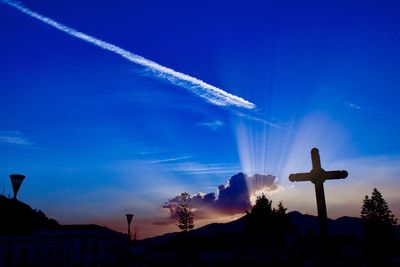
[[263, 237]]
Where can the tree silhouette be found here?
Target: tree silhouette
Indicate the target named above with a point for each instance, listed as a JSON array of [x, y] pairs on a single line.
[[281, 210], [378, 223], [263, 220], [376, 210], [262, 208], [184, 212]]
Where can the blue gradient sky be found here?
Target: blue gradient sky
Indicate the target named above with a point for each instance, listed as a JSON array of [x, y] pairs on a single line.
[[97, 136]]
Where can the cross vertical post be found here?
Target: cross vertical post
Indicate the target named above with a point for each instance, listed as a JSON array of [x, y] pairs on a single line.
[[322, 213], [318, 176]]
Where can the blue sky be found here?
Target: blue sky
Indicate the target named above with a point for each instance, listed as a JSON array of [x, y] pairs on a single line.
[[97, 135]]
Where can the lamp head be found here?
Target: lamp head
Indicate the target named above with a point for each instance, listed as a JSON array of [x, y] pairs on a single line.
[[129, 218], [16, 181]]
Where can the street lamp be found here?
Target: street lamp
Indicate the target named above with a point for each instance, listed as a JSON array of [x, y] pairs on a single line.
[[129, 219], [16, 181]]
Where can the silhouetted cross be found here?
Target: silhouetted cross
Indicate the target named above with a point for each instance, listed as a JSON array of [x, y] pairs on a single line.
[[318, 176]]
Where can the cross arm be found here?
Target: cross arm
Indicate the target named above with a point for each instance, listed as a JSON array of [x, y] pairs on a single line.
[[329, 175], [299, 177]]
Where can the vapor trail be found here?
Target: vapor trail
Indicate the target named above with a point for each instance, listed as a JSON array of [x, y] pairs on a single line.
[[207, 91]]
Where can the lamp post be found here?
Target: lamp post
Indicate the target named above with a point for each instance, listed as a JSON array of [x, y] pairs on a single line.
[[129, 219], [16, 181]]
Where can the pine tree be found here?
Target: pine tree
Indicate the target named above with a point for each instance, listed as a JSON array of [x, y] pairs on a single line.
[[185, 213], [260, 218], [263, 207], [378, 222], [281, 210], [375, 209]]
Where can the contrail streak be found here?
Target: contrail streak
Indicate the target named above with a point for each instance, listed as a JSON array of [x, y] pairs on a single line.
[[207, 91]]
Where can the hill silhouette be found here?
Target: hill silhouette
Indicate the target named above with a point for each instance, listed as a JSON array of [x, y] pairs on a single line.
[[227, 244], [18, 218], [304, 224]]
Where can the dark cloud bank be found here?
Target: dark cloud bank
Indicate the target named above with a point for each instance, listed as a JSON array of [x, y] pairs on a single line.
[[233, 198]]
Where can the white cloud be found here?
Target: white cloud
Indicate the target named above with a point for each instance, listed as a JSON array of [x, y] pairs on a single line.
[[211, 93], [15, 138], [214, 125], [200, 168], [259, 120], [357, 107], [352, 105], [170, 159], [234, 197]]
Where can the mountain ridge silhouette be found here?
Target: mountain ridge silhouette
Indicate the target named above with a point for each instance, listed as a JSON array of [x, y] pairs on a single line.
[[304, 224], [18, 218]]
